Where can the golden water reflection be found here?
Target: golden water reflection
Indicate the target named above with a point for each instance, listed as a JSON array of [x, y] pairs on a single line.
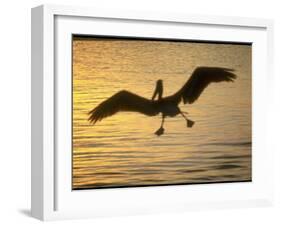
[[123, 151]]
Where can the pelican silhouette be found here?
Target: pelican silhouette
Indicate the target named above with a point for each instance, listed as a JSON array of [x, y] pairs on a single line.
[[168, 106]]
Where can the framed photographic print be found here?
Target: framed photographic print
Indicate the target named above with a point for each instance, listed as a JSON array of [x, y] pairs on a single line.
[[137, 112]]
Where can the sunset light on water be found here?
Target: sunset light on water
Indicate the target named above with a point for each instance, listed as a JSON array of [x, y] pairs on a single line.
[[122, 150]]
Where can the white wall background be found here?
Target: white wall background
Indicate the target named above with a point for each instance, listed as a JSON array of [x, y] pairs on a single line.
[[15, 112]]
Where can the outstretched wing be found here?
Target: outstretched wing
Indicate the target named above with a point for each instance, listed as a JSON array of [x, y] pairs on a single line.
[[122, 101], [200, 79]]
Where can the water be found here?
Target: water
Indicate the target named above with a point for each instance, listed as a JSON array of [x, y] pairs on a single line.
[[123, 151]]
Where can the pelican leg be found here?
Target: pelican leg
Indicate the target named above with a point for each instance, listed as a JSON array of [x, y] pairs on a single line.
[[160, 131], [189, 123]]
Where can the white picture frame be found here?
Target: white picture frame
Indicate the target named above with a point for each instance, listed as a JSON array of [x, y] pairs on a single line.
[[52, 197]]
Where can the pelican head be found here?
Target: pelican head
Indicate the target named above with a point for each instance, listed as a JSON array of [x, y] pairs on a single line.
[[159, 83], [158, 89]]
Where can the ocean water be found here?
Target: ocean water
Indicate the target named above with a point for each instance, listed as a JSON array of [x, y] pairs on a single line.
[[123, 150]]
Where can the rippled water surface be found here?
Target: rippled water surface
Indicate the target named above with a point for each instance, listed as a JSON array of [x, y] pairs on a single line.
[[123, 151]]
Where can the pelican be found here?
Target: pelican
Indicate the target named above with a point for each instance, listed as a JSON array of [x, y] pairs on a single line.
[[167, 106]]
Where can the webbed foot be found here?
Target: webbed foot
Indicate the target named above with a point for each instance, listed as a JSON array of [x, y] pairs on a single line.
[[160, 131], [190, 123]]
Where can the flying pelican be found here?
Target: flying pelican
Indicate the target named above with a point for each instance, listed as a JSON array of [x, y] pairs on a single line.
[[167, 106]]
